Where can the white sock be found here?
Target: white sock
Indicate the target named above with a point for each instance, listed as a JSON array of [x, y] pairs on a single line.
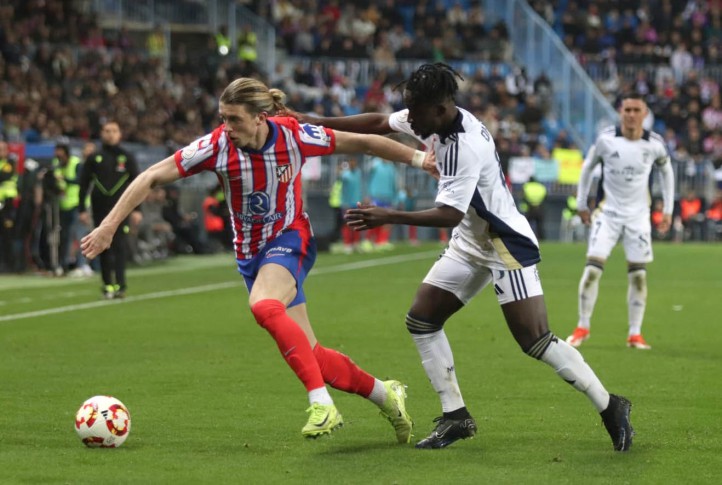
[[569, 364], [588, 291], [636, 300], [320, 395], [438, 362], [378, 393]]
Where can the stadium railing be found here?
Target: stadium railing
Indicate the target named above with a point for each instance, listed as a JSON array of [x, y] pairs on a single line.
[[362, 72], [192, 15], [579, 104]]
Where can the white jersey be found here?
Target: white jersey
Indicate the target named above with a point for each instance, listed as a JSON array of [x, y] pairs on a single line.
[[493, 231], [626, 165]]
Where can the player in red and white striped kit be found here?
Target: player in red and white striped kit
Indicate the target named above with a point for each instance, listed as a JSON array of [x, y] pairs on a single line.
[[258, 158]]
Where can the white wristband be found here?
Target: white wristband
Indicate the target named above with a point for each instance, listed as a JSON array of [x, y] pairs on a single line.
[[418, 159]]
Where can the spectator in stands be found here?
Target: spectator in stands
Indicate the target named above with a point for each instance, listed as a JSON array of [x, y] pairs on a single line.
[[155, 234], [532, 115], [351, 195], [714, 217], [382, 192], [183, 224], [692, 217], [215, 220], [712, 114], [681, 62], [407, 203]]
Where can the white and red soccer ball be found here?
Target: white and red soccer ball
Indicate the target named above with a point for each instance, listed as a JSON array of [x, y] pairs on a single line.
[[102, 422]]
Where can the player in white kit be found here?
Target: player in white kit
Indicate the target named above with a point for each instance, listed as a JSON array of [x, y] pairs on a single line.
[[492, 243], [627, 154]]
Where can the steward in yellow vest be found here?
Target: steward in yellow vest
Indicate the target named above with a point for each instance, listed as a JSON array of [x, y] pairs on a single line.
[[533, 205], [247, 41], [8, 196], [66, 168], [67, 173]]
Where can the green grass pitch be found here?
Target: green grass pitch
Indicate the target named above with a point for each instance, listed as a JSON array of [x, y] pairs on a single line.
[[213, 402]]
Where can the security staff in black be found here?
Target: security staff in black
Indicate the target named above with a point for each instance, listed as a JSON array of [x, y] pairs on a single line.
[[110, 170]]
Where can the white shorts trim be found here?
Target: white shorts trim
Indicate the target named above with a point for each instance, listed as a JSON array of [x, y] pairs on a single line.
[[464, 279]]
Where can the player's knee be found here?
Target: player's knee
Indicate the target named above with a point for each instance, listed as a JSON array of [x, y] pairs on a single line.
[[537, 348], [638, 278], [264, 310], [416, 325], [592, 272]]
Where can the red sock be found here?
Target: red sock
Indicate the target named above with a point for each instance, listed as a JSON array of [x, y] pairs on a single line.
[[384, 234], [443, 236], [291, 341], [340, 372], [348, 235], [412, 233]]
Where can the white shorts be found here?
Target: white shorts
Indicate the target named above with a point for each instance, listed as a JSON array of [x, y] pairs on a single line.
[[465, 279], [636, 237]]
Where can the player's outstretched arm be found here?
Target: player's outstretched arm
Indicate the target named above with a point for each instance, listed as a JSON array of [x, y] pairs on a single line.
[[368, 216], [351, 143], [163, 172], [369, 123]]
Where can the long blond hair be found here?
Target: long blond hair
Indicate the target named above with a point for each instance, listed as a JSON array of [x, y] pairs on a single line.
[[255, 95]]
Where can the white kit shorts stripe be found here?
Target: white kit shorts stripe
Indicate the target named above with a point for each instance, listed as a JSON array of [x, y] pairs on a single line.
[[465, 279]]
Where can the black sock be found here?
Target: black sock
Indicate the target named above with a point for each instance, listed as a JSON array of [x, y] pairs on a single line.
[[461, 413]]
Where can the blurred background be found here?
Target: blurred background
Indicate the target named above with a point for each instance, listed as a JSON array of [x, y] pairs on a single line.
[[544, 76]]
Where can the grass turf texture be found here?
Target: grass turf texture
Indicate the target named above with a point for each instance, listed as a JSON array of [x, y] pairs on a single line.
[[212, 401]]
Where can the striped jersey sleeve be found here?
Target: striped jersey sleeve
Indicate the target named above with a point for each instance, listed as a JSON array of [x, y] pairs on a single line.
[[460, 168], [312, 140], [199, 155]]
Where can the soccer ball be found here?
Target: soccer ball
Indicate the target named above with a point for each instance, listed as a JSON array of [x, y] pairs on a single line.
[[102, 422]]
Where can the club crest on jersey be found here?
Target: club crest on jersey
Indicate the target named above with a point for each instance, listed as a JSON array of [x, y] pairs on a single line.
[[284, 173]]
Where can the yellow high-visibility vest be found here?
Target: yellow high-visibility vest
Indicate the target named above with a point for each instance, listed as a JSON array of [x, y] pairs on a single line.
[[8, 188], [534, 193], [68, 182], [334, 197]]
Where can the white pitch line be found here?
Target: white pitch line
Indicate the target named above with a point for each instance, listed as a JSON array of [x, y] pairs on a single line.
[[217, 286]]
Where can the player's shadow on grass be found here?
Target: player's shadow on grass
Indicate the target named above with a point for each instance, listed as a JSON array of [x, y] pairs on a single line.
[[364, 448]]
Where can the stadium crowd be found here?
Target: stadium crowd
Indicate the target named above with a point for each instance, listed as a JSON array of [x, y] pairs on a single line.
[[668, 51], [62, 75]]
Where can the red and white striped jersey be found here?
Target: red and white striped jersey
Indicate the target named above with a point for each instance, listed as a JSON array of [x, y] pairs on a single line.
[[262, 187]]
